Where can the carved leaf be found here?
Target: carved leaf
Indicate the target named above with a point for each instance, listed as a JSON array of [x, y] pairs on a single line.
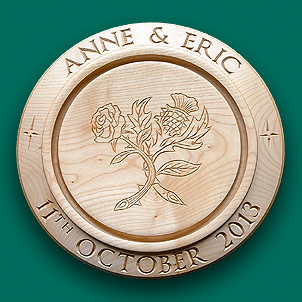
[[167, 195], [144, 135], [146, 120], [120, 157], [178, 168], [134, 122], [113, 144], [190, 144], [156, 132], [138, 117], [174, 198], [198, 127]]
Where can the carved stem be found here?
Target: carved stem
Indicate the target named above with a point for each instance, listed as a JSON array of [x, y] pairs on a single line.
[[134, 199], [160, 151]]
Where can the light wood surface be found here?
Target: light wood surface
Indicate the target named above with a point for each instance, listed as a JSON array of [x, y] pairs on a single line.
[[150, 150]]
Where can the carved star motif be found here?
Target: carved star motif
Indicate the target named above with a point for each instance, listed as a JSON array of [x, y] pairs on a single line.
[[268, 134], [31, 133]]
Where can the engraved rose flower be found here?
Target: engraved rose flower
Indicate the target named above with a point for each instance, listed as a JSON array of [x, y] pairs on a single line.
[[107, 123]]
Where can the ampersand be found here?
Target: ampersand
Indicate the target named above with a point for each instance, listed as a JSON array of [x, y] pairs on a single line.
[[159, 37]]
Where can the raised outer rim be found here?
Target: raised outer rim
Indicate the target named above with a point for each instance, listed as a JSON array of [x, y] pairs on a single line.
[[238, 244]]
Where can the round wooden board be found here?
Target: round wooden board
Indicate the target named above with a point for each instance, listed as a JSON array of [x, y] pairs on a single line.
[[150, 150]]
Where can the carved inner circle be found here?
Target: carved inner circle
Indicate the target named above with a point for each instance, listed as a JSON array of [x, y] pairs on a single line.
[[94, 187]]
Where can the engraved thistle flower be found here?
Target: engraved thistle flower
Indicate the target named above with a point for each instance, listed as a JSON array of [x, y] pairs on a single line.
[[148, 136]]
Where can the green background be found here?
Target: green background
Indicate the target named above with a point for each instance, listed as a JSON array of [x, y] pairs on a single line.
[[266, 267]]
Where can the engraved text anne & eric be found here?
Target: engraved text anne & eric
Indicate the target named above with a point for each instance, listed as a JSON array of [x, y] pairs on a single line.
[[118, 39]]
